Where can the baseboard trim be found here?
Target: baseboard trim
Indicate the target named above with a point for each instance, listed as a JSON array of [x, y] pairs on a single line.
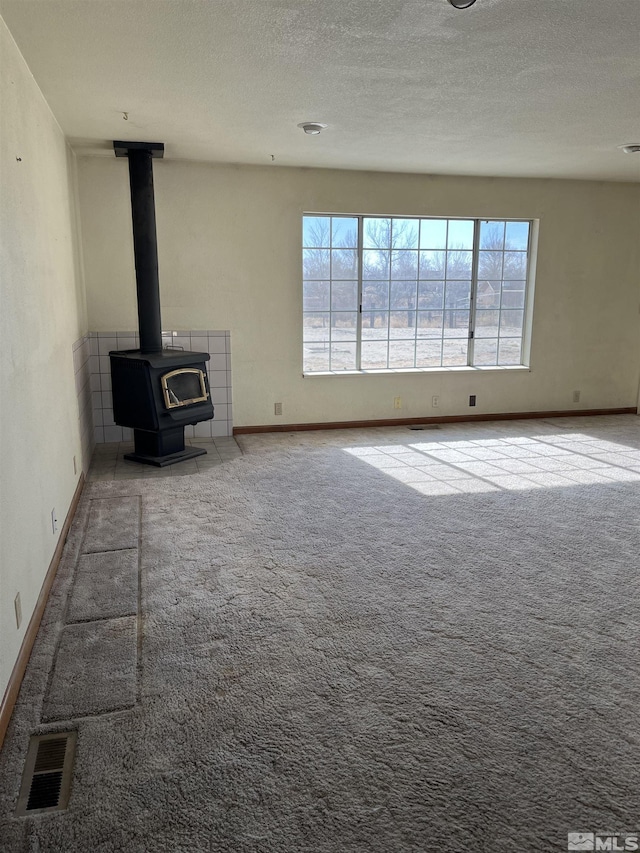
[[13, 687], [446, 419]]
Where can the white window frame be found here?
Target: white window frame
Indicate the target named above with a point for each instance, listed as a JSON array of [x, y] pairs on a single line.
[[525, 336]]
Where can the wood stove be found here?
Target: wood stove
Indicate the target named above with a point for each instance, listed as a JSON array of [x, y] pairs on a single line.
[[156, 391]]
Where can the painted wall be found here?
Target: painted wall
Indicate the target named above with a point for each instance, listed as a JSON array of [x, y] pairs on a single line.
[[42, 313], [230, 257]]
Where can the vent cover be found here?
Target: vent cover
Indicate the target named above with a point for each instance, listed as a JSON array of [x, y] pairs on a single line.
[[46, 779]]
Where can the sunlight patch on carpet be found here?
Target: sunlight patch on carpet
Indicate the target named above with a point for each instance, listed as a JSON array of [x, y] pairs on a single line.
[[517, 463]]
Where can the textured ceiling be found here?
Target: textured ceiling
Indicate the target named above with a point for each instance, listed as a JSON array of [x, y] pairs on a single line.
[[508, 87]]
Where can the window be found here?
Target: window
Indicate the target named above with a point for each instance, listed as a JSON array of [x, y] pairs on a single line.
[[387, 293]]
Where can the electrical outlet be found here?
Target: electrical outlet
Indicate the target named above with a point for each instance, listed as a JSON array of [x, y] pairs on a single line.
[[397, 402], [576, 396], [472, 399], [17, 603], [54, 521], [277, 408], [435, 402]]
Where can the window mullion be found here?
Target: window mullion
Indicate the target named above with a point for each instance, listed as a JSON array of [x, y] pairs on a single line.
[[526, 308], [474, 291], [359, 321], [415, 314], [330, 294]]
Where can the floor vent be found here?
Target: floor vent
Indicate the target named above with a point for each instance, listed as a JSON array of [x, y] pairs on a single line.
[[425, 426], [46, 779]]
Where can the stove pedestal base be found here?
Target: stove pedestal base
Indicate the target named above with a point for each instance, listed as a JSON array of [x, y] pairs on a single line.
[[162, 448]]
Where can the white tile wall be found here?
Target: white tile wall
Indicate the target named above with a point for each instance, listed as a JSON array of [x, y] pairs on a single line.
[[84, 387], [217, 343]]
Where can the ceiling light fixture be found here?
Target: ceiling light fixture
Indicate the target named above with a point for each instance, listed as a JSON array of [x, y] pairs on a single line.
[[462, 4], [631, 148], [313, 128]]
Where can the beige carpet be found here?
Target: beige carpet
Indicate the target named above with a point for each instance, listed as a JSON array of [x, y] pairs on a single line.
[[379, 640]]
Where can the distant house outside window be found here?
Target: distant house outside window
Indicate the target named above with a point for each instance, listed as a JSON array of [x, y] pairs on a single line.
[[392, 293]]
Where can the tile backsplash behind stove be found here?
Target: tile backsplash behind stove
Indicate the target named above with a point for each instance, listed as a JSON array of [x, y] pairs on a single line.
[[82, 373], [216, 343]]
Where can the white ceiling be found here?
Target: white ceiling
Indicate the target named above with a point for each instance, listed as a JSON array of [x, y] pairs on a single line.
[[508, 87]]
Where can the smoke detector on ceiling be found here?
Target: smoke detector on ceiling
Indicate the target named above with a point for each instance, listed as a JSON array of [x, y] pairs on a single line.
[[313, 128], [462, 4], [631, 148]]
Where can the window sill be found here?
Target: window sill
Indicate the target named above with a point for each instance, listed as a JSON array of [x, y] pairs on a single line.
[[386, 371]]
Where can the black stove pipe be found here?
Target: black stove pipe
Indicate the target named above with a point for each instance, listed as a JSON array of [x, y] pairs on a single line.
[[145, 243]]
